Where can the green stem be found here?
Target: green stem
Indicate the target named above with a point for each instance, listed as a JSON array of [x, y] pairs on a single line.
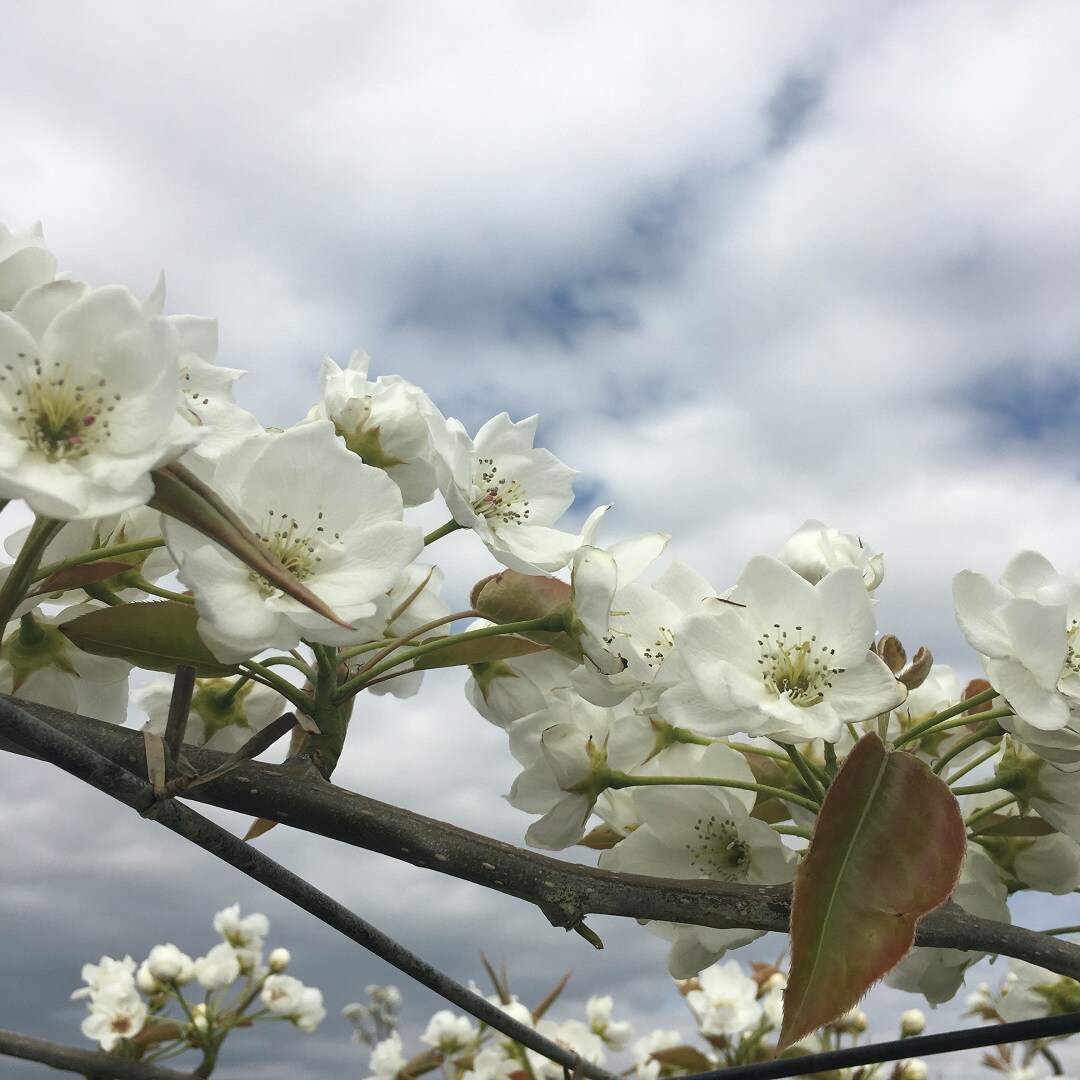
[[989, 731], [550, 623], [441, 531], [973, 764], [229, 696], [98, 555], [986, 811], [978, 789], [137, 581], [932, 722], [616, 779], [262, 673], [290, 661], [20, 576], [747, 748], [792, 830], [806, 771], [1062, 930]]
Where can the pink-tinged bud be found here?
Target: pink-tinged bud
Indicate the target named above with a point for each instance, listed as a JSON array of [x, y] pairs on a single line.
[[918, 669], [892, 652], [976, 686], [512, 597]]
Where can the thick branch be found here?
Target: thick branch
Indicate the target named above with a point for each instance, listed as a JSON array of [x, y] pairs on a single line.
[[296, 795], [92, 1064]]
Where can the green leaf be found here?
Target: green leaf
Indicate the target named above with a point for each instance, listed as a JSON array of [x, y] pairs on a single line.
[[477, 651], [157, 636], [997, 825], [689, 1058], [887, 848]]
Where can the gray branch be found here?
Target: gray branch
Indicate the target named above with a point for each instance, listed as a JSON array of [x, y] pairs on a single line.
[[296, 795], [93, 1064]]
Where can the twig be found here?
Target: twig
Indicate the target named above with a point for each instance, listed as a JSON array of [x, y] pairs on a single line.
[[93, 1064], [73, 757]]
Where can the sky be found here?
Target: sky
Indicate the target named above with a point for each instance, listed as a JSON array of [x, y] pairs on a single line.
[[751, 264]]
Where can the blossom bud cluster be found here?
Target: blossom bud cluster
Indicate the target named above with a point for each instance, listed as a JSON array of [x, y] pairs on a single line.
[[129, 1005]]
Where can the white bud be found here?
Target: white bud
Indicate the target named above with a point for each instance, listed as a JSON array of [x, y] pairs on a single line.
[[278, 960], [914, 1070], [912, 1022]]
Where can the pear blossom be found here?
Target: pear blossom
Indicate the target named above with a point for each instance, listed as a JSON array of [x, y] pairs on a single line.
[[503, 691], [1025, 629], [507, 491], [616, 1034], [646, 1066], [25, 263], [726, 1003], [167, 964], [219, 968], [245, 934], [285, 996], [814, 549], [572, 1034], [115, 1013], [387, 1058], [492, 1062], [334, 521], [565, 749], [39, 663], [88, 400], [221, 717], [386, 423], [791, 661], [107, 973], [1032, 991], [449, 1033]]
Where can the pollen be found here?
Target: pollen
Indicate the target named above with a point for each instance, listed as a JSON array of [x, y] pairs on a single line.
[[797, 667], [299, 548], [57, 417], [500, 498], [717, 852]]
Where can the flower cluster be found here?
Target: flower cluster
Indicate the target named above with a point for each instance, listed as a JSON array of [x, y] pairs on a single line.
[[679, 727], [129, 1005], [735, 1017]]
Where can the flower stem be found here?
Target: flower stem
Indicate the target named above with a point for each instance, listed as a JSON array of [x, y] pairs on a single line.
[[932, 722], [792, 830], [550, 623], [986, 811], [20, 577], [617, 780], [262, 673], [441, 531], [990, 730], [978, 789], [98, 555], [806, 771], [1062, 930], [973, 764]]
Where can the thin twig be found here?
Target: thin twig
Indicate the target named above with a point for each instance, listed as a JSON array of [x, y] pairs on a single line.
[[73, 757], [92, 1064]]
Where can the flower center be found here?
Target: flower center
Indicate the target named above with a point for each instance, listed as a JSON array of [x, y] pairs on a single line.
[[1072, 658], [59, 418], [717, 851], [795, 666], [298, 549], [654, 654], [500, 498]]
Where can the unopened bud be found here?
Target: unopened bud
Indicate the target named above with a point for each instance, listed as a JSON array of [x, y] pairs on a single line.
[[915, 674], [278, 960], [914, 1070], [892, 652], [912, 1022]]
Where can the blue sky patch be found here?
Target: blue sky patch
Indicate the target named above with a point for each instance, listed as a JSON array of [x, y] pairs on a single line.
[[1028, 402]]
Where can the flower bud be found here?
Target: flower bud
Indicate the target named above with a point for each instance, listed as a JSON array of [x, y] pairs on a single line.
[[278, 960], [914, 1070], [912, 1022]]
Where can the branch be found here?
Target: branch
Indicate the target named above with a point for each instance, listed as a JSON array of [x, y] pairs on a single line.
[[294, 795], [93, 1064]]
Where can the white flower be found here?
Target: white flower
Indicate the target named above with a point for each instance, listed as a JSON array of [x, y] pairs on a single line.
[[616, 1034], [507, 491], [221, 717], [912, 1022], [25, 263], [108, 973], [449, 1033], [572, 1034], [1025, 628], [503, 691], [278, 960], [491, 1062], [285, 996], [385, 423], [38, 663], [793, 662], [387, 1059], [727, 1002], [245, 935], [815, 548], [220, 967], [645, 1065], [334, 521], [115, 1013], [88, 394], [167, 964], [1032, 992]]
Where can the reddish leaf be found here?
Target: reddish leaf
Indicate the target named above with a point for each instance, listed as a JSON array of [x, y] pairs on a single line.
[[887, 849], [689, 1058], [157, 636], [75, 577], [477, 651]]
